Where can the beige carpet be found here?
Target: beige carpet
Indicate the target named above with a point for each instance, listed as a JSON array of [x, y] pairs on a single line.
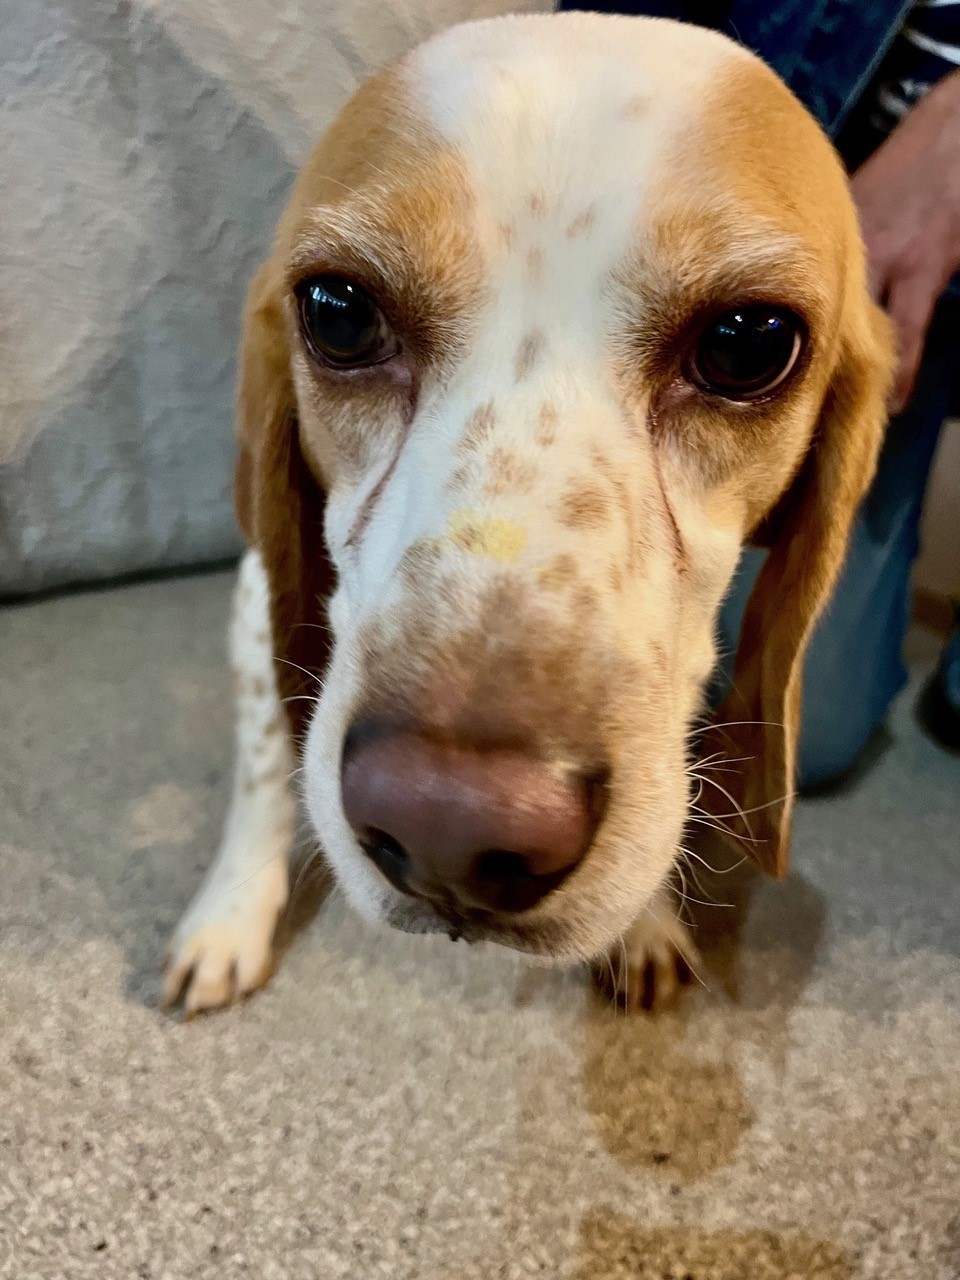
[[409, 1109]]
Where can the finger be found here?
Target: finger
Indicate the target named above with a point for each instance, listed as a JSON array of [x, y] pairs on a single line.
[[878, 278], [910, 306]]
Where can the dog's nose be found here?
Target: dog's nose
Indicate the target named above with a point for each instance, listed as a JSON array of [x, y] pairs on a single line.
[[469, 829]]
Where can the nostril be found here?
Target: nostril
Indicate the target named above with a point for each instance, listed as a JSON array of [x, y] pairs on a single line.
[[499, 866], [505, 881], [389, 855]]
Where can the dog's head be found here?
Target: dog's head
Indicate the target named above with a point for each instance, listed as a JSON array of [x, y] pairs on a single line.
[[563, 311]]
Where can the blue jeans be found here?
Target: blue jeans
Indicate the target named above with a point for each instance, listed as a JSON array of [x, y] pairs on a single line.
[[854, 666]]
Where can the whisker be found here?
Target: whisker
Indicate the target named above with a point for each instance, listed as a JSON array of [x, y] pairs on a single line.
[[704, 819], [714, 871], [296, 666], [738, 812], [737, 724], [686, 924], [686, 897]]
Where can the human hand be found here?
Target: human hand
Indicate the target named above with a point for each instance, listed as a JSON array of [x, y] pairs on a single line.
[[908, 198]]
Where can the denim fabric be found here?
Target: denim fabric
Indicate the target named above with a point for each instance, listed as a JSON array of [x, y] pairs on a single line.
[[826, 50]]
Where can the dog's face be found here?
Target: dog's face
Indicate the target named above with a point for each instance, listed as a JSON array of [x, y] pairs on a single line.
[[563, 311]]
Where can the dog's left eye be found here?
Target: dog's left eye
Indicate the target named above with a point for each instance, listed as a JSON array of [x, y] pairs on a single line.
[[342, 324], [747, 351]]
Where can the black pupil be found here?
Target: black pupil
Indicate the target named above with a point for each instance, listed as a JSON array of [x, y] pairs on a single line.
[[746, 349], [341, 321]]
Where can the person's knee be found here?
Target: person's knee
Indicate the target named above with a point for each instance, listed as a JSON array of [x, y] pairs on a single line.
[[833, 737], [827, 753]]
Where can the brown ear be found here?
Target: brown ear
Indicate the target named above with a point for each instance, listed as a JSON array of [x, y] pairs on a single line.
[[759, 722], [280, 504]]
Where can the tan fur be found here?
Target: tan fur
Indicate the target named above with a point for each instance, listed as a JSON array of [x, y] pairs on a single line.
[[493, 629]]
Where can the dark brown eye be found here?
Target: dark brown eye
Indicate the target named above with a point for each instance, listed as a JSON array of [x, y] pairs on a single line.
[[747, 351], [342, 324]]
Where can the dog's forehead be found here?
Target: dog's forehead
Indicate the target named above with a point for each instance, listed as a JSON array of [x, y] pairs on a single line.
[[620, 127], [558, 95], [550, 110]]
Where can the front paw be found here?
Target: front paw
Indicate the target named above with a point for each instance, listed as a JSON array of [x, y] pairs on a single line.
[[652, 964], [222, 949]]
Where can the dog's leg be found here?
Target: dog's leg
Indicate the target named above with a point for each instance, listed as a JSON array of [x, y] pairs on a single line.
[[653, 961], [222, 948]]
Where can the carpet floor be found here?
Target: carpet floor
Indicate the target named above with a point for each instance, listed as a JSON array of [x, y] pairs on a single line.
[[418, 1110]]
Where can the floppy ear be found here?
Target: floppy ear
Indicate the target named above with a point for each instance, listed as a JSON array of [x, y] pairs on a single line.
[[759, 722], [280, 504]]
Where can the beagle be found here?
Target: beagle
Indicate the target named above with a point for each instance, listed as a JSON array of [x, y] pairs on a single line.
[[564, 311]]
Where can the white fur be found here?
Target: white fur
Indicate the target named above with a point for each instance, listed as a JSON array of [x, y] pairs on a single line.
[[537, 111], [222, 948]]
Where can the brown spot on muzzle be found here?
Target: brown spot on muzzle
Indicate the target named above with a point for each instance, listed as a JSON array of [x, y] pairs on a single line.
[[460, 477], [559, 572], [584, 506], [635, 107], [499, 672], [478, 427], [508, 473], [546, 424], [528, 353], [583, 222]]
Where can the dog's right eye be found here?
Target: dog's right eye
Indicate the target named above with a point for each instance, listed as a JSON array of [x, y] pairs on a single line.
[[342, 324]]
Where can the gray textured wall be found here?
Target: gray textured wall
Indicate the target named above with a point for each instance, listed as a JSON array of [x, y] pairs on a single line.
[[147, 150]]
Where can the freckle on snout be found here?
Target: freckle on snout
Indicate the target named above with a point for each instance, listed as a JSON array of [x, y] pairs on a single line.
[[478, 427], [559, 572], [634, 107], [459, 477], [528, 353], [508, 473], [546, 424], [584, 506], [582, 222]]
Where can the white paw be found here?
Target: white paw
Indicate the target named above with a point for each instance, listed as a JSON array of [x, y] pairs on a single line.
[[222, 949], [656, 959]]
